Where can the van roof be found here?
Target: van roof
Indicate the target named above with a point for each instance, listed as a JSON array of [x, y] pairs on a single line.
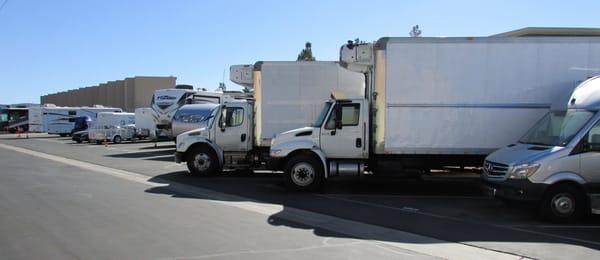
[[586, 95]]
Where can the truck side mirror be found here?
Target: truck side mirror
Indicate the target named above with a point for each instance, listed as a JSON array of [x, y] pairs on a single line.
[[223, 121], [338, 117]]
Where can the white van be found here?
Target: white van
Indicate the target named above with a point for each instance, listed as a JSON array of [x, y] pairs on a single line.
[[556, 165]]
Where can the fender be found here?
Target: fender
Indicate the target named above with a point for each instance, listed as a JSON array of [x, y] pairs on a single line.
[[564, 176], [283, 150], [204, 140]]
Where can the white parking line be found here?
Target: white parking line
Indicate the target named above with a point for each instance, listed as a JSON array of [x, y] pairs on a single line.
[[376, 234]]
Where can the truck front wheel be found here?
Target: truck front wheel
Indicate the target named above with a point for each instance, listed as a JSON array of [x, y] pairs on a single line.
[[563, 203], [304, 173], [202, 161]]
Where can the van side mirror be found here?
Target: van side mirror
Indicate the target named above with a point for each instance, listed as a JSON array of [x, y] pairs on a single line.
[[338, 117]]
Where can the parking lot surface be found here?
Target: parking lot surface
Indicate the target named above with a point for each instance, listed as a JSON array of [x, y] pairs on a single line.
[[244, 214]]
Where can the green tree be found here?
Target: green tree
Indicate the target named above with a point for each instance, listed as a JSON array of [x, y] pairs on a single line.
[[306, 53]]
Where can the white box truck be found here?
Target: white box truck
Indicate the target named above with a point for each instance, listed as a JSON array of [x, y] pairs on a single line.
[[115, 127], [434, 102], [555, 166], [286, 95], [52, 119]]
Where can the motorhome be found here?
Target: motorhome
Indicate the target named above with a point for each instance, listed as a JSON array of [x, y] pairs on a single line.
[[433, 103], [237, 131], [555, 166], [114, 127], [58, 120]]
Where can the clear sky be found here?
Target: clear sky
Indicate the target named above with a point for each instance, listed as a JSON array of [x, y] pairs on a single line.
[[49, 46]]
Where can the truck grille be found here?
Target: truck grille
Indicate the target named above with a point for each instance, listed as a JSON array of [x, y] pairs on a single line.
[[495, 170]]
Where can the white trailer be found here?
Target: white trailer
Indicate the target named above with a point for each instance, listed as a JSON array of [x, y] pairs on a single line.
[[113, 127], [435, 102], [144, 123], [55, 120], [286, 95]]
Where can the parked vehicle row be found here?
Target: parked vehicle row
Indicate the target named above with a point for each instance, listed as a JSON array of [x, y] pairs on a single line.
[[402, 103]]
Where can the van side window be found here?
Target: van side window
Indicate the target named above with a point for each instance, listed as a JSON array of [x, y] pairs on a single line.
[[350, 116], [593, 138]]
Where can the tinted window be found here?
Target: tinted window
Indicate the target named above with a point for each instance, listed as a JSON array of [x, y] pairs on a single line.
[[234, 116], [350, 116]]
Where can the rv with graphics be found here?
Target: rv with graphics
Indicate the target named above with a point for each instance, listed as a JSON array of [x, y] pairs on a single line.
[[59, 120], [433, 102], [236, 131], [164, 104]]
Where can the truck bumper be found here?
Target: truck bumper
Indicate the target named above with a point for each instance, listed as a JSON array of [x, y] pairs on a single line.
[[179, 158], [516, 190]]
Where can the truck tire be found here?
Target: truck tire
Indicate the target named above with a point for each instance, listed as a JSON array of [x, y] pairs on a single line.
[[304, 173], [98, 142], [79, 141], [564, 203], [117, 139], [202, 161]]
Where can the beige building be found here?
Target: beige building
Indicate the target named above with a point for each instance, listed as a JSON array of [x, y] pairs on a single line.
[[128, 94]]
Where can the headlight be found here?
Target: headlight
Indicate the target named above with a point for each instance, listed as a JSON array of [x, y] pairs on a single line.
[[275, 152], [523, 171]]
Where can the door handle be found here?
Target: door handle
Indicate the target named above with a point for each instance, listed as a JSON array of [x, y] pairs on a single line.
[[358, 143], [243, 137]]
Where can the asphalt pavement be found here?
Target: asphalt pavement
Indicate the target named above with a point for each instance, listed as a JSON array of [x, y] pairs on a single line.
[[56, 203]]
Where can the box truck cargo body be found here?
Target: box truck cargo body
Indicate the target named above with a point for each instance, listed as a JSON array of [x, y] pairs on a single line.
[[56, 120], [435, 102], [285, 95]]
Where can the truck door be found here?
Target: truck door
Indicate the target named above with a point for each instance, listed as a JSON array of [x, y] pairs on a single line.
[[232, 131], [344, 138]]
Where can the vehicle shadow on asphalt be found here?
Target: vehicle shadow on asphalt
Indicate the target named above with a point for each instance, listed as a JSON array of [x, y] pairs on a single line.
[[143, 154], [381, 206]]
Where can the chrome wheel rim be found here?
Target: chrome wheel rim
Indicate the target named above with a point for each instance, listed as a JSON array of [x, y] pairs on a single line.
[[303, 174]]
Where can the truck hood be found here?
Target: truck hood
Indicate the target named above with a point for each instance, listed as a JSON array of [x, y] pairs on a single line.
[[519, 153], [296, 134]]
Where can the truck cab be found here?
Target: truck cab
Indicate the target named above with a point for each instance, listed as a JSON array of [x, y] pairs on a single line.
[[556, 164], [223, 141], [335, 144]]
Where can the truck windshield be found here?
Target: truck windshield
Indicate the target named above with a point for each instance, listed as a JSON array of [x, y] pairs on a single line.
[[322, 115], [199, 117], [557, 128]]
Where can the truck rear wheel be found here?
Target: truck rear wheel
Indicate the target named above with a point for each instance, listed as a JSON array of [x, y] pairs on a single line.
[[304, 173], [563, 203], [202, 161]]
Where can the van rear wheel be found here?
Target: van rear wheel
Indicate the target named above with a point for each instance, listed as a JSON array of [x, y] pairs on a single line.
[[202, 161], [304, 173]]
